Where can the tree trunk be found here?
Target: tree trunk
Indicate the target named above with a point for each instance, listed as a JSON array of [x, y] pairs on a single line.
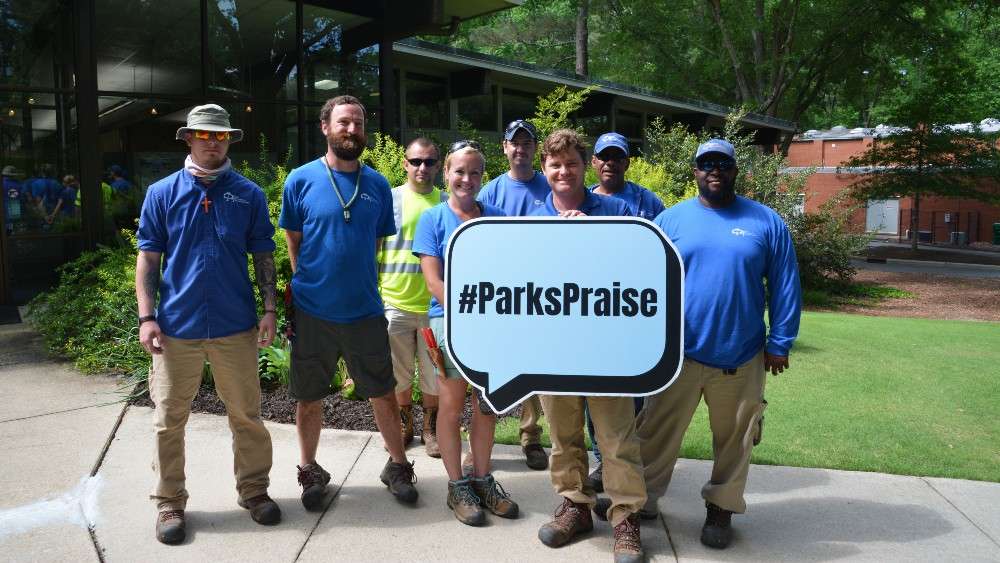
[[582, 54], [915, 222]]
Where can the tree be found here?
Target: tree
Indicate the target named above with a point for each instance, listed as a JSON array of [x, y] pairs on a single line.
[[582, 53]]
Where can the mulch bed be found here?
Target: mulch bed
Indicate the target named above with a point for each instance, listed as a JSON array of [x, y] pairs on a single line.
[[338, 412]]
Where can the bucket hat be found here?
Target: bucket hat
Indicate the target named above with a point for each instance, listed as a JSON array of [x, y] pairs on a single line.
[[209, 117]]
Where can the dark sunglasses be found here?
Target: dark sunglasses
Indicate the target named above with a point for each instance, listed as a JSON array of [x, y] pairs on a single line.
[[459, 145], [416, 162], [723, 164], [519, 123], [608, 156]]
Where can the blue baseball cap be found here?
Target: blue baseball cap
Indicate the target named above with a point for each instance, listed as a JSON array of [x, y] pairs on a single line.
[[721, 146], [611, 140]]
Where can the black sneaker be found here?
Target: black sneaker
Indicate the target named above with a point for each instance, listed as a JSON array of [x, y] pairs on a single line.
[[718, 530], [399, 477], [596, 479], [535, 457], [313, 479]]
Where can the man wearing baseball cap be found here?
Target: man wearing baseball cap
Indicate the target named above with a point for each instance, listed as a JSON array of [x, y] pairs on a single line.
[[730, 245], [610, 162], [519, 192], [199, 224]]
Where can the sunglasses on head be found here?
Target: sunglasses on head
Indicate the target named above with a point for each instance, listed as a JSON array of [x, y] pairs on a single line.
[[206, 135], [416, 162], [459, 145], [709, 164]]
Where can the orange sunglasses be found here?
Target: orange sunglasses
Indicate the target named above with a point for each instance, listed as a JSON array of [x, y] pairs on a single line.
[[206, 135]]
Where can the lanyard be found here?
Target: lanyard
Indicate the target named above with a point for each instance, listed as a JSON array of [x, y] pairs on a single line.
[[333, 182]]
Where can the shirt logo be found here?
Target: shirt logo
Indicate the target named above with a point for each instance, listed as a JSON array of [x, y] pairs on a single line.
[[741, 233], [230, 197], [367, 197], [539, 202]]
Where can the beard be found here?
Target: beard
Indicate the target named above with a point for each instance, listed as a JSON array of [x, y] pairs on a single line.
[[347, 146], [725, 194]]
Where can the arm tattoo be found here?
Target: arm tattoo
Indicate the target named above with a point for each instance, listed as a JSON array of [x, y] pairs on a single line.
[[267, 278], [151, 283]]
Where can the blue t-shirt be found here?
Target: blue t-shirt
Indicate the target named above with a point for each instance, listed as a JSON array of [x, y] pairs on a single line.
[[46, 189], [514, 197], [594, 205], [205, 291], [640, 201], [336, 277], [727, 254], [432, 234], [68, 197], [121, 185]]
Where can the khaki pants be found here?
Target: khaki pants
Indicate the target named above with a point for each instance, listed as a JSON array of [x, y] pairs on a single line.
[[409, 350], [173, 383], [735, 405], [614, 421], [531, 412]]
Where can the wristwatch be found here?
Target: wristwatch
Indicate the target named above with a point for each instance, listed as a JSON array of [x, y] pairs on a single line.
[[146, 318]]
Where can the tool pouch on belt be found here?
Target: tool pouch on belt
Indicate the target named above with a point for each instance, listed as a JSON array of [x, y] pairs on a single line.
[[433, 351]]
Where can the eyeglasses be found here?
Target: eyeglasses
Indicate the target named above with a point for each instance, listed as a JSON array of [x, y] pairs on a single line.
[[206, 135], [416, 162], [722, 164], [459, 145]]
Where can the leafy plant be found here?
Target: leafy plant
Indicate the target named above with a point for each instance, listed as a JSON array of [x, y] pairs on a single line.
[[274, 363], [386, 156]]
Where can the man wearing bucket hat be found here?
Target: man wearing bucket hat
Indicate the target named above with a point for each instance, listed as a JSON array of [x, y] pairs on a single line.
[[730, 245], [200, 223], [521, 191]]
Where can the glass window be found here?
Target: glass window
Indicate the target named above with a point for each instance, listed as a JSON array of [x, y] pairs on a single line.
[[629, 124], [251, 45], [269, 130], [593, 125], [479, 112], [148, 46], [328, 70], [426, 102], [518, 105], [36, 43]]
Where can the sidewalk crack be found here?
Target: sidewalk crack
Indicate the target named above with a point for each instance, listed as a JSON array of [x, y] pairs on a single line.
[[960, 511], [663, 523], [333, 499]]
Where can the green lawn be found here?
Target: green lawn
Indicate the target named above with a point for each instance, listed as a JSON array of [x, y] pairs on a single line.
[[905, 396]]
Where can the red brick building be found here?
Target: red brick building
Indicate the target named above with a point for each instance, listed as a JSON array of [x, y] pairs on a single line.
[[941, 219]]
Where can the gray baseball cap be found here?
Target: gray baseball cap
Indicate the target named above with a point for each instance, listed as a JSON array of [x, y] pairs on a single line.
[[209, 117]]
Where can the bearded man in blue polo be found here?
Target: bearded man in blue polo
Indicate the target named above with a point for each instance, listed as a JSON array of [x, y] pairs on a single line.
[[198, 225]]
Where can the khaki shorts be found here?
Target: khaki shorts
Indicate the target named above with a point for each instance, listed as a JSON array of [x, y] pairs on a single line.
[[409, 350], [319, 344]]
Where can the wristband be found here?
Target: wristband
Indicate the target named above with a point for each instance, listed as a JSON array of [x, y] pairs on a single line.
[[146, 318], [266, 311]]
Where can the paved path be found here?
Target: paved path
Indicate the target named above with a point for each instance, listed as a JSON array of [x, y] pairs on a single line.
[[927, 267], [54, 425]]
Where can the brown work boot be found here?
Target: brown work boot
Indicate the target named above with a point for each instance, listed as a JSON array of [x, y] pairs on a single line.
[[493, 497], [428, 435], [571, 520], [535, 457], [718, 530], [399, 477], [462, 500], [170, 526], [313, 479], [262, 509], [628, 546], [406, 421]]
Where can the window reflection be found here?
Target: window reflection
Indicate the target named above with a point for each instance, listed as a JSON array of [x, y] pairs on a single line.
[[426, 101], [251, 44], [36, 43]]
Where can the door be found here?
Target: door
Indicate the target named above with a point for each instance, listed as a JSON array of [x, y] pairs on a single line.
[[882, 216]]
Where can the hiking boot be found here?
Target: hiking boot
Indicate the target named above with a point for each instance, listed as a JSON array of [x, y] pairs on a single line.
[[718, 530], [535, 457], [170, 526], [313, 479], [493, 497], [399, 477], [628, 546], [571, 519], [462, 500], [467, 465], [603, 505], [428, 435], [406, 422], [262, 509], [596, 479]]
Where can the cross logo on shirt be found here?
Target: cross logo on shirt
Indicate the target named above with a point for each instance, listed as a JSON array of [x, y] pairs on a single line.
[[205, 203]]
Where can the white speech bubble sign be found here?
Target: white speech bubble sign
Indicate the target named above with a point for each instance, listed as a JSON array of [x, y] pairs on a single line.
[[515, 326]]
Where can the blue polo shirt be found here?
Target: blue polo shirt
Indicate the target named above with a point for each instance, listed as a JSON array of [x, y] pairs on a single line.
[[431, 237], [121, 185], [594, 205], [640, 201], [205, 291], [336, 277], [728, 253], [514, 197]]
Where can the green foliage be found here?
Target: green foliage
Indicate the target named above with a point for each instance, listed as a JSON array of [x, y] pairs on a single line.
[[274, 363], [554, 110], [825, 243], [387, 156]]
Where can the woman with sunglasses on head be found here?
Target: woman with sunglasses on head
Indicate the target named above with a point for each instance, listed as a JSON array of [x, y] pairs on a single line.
[[468, 495]]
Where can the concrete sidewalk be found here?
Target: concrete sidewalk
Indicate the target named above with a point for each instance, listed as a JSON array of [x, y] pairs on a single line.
[[54, 424]]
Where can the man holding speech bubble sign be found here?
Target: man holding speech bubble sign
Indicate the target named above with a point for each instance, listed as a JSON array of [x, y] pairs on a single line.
[[563, 161], [730, 245], [519, 192]]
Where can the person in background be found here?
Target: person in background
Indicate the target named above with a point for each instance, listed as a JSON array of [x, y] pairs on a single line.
[[66, 204], [12, 197]]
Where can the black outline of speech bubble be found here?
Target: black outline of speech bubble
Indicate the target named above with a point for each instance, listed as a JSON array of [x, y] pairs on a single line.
[[661, 376]]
